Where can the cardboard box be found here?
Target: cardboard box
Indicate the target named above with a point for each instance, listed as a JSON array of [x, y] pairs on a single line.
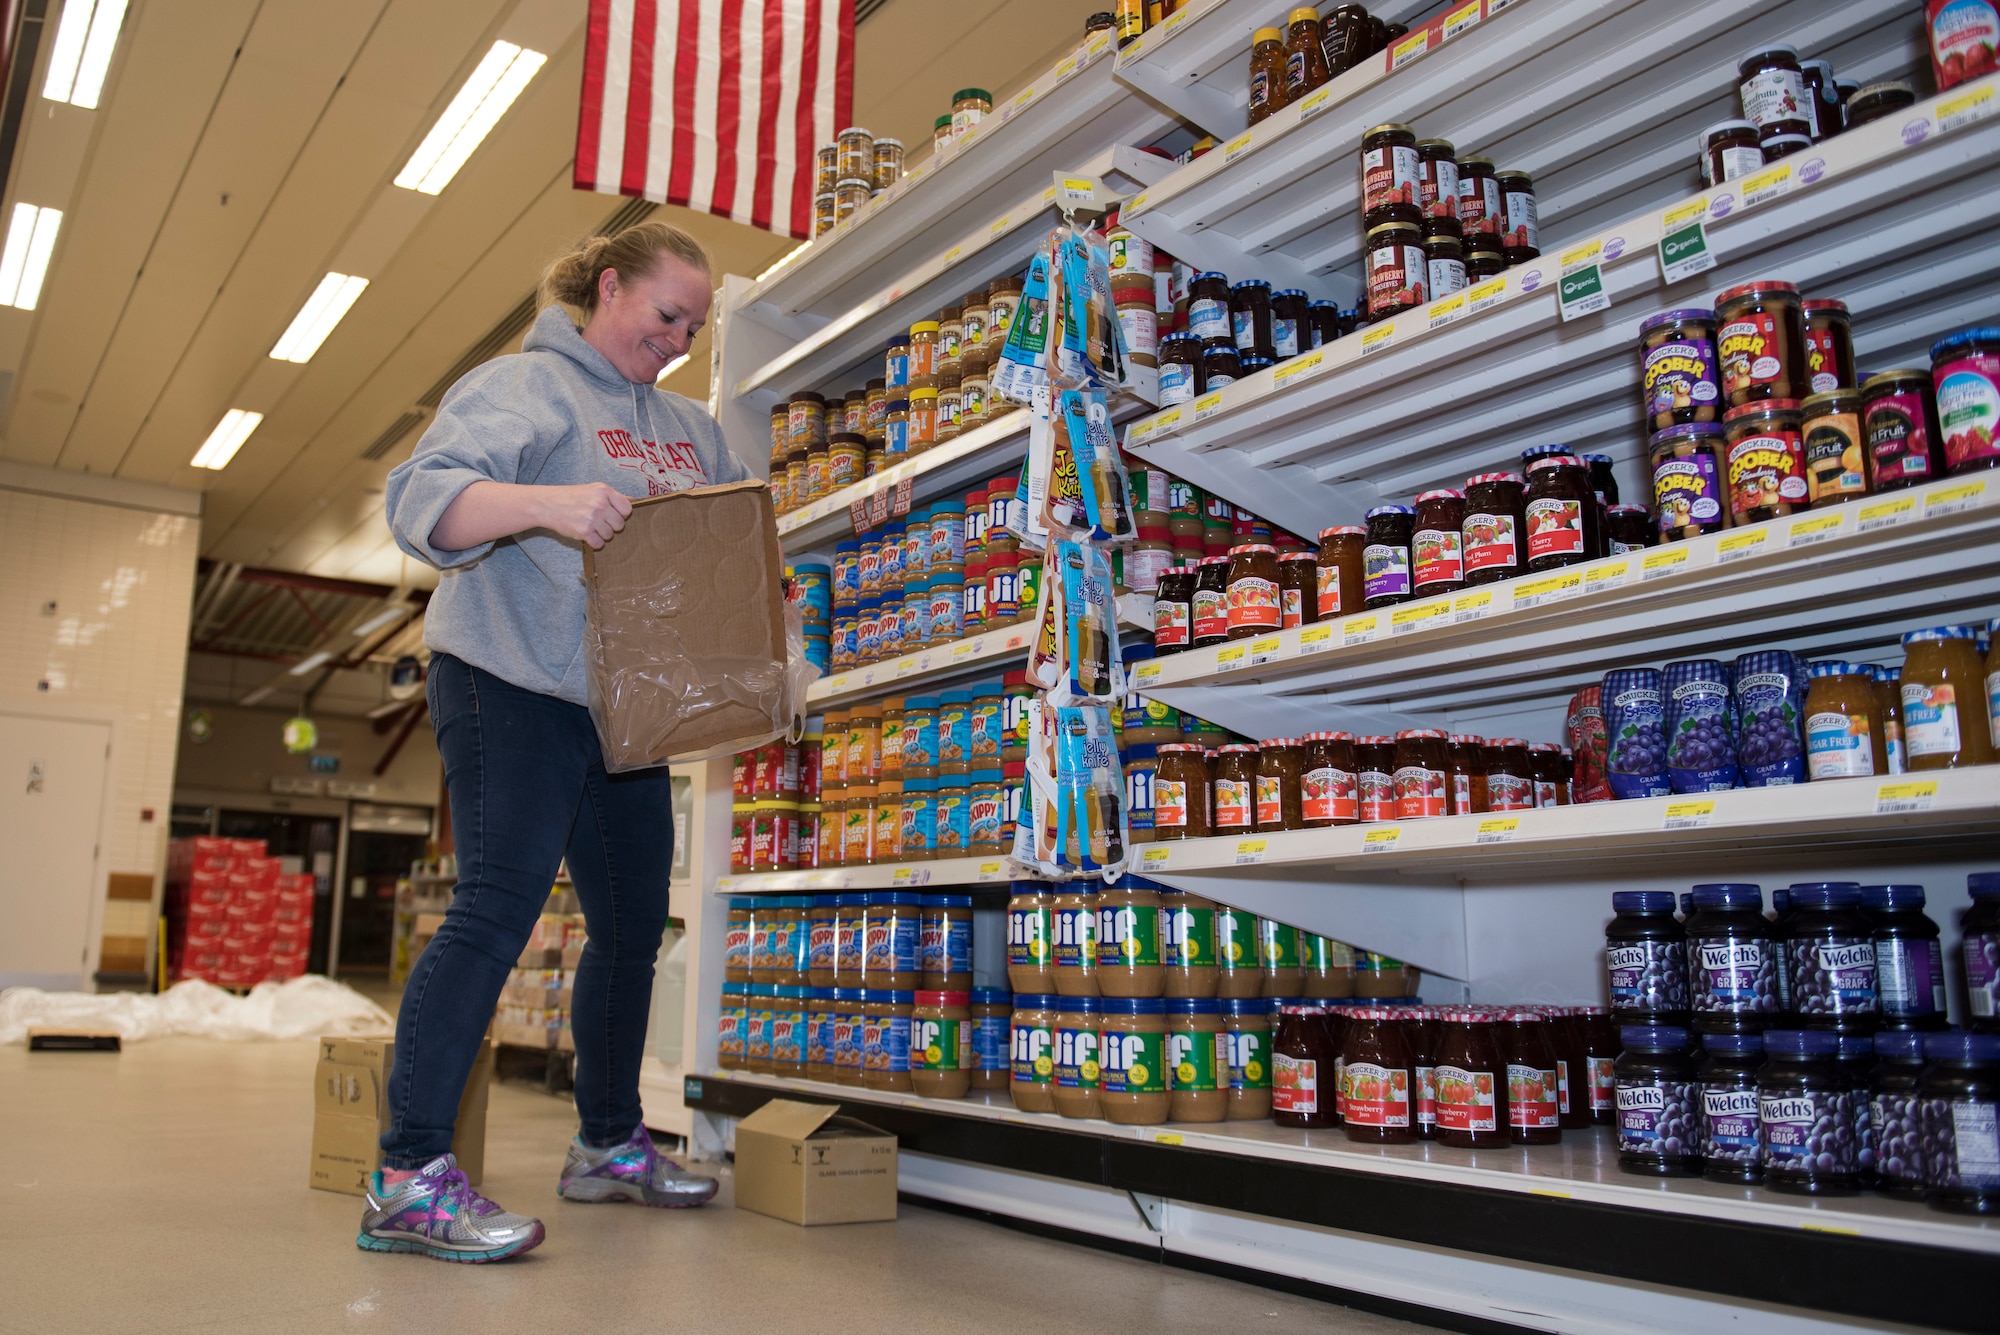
[[686, 638], [803, 1163], [351, 1108]]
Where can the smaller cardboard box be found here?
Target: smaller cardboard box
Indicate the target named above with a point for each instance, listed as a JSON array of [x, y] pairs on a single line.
[[351, 1108], [803, 1163]]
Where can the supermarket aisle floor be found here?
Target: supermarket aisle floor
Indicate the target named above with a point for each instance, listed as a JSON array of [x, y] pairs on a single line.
[[163, 1189]]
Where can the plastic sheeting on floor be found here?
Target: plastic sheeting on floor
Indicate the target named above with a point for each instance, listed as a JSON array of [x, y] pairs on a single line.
[[304, 1007]]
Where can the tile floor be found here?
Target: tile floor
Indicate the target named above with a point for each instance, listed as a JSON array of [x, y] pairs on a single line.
[[164, 1189]]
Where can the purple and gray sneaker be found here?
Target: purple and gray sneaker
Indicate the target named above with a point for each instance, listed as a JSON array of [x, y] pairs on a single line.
[[439, 1215], [633, 1171]]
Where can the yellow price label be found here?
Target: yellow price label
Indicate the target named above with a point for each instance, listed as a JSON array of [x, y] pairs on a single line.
[[1314, 102], [1884, 513], [1248, 846], [1662, 561], [1446, 309], [1740, 543], [1946, 500], [1134, 204], [1497, 829], [1145, 674], [1486, 292], [1472, 606], [1169, 1137], [1207, 405], [1813, 528], [1910, 795], [1406, 619], [1688, 815], [1582, 254], [1079, 185], [1318, 635], [1268, 645], [953, 254], [1459, 20], [1155, 856], [1297, 366], [1683, 214], [1167, 420], [1231, 657], [1410, 47], [1238, 146], [1377, 336], [1381, 839], [991, 868]]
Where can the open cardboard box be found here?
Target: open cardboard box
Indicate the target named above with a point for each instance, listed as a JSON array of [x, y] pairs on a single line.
[[351, 1108], [686, 627], [803, 1163]]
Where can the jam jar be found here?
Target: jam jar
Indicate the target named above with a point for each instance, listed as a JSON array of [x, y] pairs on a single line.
[[1208, 609], [1437, 178], [1280, 771], [1375, 777], [1234, 788], [1690, 480], [1481, 212], [1291, 327], [1250, 318], [1437, 555], [1561, 512], [1220, 365], [1398, 269], [1966, 369], [1729, 152], [1327, 793], [1422, 773], [1835, 455], [1829, 346], [1180, 359], [1386, 558], [1254, 607], [1521, 237], [1762, 342], [1772, 87], [1298, 589], [1444, 258], [1180, 793], [1340, 569], [1173, 610], [1766, 460], [1208, 308], [1628, 528], [1323, 318], [1899, 426], [1510, 775], [1495, 522], [1679, 379], [1391, 167]]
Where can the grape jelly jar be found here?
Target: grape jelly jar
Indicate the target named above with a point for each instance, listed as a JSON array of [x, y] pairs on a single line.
[[1700, 726], [1909, 962], [1830, 959], [1645, 956], [1893, 1113], [1957, 1115], [1770, 704], [1732, 974], [1979, 945], [1636, 756], [1809, 1144], [1732, 1137], [1658, 1128]]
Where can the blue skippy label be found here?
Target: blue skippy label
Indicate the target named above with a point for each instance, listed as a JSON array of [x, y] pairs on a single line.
[[990, 1038]]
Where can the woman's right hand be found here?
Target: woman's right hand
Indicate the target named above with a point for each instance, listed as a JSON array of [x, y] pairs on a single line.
[[590, 512]]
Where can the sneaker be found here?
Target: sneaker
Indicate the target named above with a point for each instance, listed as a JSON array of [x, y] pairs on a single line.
[[634, 1171], [438, 1214]]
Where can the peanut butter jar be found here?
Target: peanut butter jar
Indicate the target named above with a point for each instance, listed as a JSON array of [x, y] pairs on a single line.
[[1187, 944], [1075, 947], [1031, 964], [1246, 1023], [1076, 1057], [1237, 970], [1132, 1059], [992, 1008], [1032, 1051], [885, 1039], [849, 1025], [1197, 1060], [941, 1044], [1128, 939]]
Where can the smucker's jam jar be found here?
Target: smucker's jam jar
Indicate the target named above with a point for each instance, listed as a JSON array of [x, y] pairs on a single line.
[[1762, 349], [1209, 607], [1835, 454], [1386, 559], [1254, 607], [1422, 774], [1766, 460], [1829, 346], [1495, 527], [1341, 570], [1562, 514], [1678, 368], [1690, 479], [1437, 554]]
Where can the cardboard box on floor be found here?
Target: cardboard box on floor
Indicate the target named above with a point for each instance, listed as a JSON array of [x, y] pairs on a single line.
[[686, 630], [351, 1108], [803, 1163]]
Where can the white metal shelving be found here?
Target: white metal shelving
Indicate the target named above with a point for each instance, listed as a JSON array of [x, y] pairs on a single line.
[[1892, 217], [988, 870]]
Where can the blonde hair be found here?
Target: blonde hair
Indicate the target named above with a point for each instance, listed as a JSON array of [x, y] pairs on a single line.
[[634, 253]]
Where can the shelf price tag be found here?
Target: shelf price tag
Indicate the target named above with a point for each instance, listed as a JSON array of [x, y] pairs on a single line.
[[1078, 188], [1237, 147], [1767, 185], [1893, 799], [992, 871], [1138, 432], [1882, 514], [1446, 309], [1548, 589], [1316, 639], [1145, 674], [1951, 500], [1407, 50], [1377, 338], [1689, 815], [1360, 630], [1231, 658], [1609, 575], [1814, 528], [1497, 830], [1663, 561], [1314, 103], [1156, 857], [1382, 840], [1471, 606], [1297, 366], [1207, 406], [1485, 296], [1977, 105], [1460, 19], [1167, 422], [1741, 544], [1581, 291], [1684, 248], [1264, 650], [1417, 616], [1250, 850]]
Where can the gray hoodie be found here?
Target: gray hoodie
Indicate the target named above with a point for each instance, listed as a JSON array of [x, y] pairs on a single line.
[[556, 414]]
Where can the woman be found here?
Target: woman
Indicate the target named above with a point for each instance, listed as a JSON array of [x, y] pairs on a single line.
[[532, 457]]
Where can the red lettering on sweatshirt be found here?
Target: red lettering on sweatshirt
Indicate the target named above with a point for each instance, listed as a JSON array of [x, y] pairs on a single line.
[[666, 465]]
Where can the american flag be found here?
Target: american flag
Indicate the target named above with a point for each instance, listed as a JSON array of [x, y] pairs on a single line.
[[716, 105]]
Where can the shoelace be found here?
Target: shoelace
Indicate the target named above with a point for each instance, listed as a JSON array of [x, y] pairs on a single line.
[[453, 1188]]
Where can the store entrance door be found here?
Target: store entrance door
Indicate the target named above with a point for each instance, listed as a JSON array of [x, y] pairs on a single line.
[[51, 805], [382, 842]]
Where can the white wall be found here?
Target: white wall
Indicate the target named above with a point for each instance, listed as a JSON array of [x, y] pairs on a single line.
[[117, 560]]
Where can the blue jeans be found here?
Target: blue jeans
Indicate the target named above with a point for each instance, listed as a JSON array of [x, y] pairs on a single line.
[[527, 786]]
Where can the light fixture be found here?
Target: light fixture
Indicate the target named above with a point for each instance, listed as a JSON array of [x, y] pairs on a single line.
[[471, 117], [316, 319], [672, 366], [82, 53], [307, 664], [227, 438], [24, 262], [379, 620]]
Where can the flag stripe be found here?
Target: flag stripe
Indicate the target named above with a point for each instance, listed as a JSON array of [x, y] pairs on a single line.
[[716, 105]]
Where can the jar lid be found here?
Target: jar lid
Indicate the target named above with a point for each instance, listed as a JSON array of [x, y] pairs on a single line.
[[1377, 741], [1343, 531], [1543, 451], [923, 327], [1826, 304], [1898, 1045], [1734, 1044], [852, 129], [1680, 316], [1299, 556], [1627, 510], [1266, 35], [1653, 1037], [1436, 144], [1181, 748], [1642, 901], [1391, 510], [1721, 128], [1237, 749], [943, 998], [1253, 549], [1252, 361], [1521, 742], [1215, 560], [1388, 127], [1761, 287], [1962, 1047], [972, 94], [846, 181], [1896, 88], [1078, 1005], [1837, 669], [1794, 142], [947, 901], [1729, 895], [941, 123], [1395, 225], [1484, 479], [1289, 292], [1686, 430], [1547, 748], [1548, 461], [1333, 306], [1441, 494], [1468, 1015], [1211, 273], [1422, 734], [1798, 1043], [1963, 339], [1467, 739], [1880, 897], [1939, 633], [1514, 176], [1767, 53]]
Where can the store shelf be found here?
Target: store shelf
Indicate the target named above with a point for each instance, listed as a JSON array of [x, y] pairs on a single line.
[[1062, 118], [988, 870], [1565, 1206], [941, 663], [973, 457], [1843, 582], [1601, 101], [1894, 218], [994, 247], [1198, 61]]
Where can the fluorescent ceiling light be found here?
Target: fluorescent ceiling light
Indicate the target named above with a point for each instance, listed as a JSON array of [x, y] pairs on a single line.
[[471, 116], [81, 56], [316, 319], [379, 620], [306, 665], [227, 438], [672, 366], [256, 697], [24, 262]]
